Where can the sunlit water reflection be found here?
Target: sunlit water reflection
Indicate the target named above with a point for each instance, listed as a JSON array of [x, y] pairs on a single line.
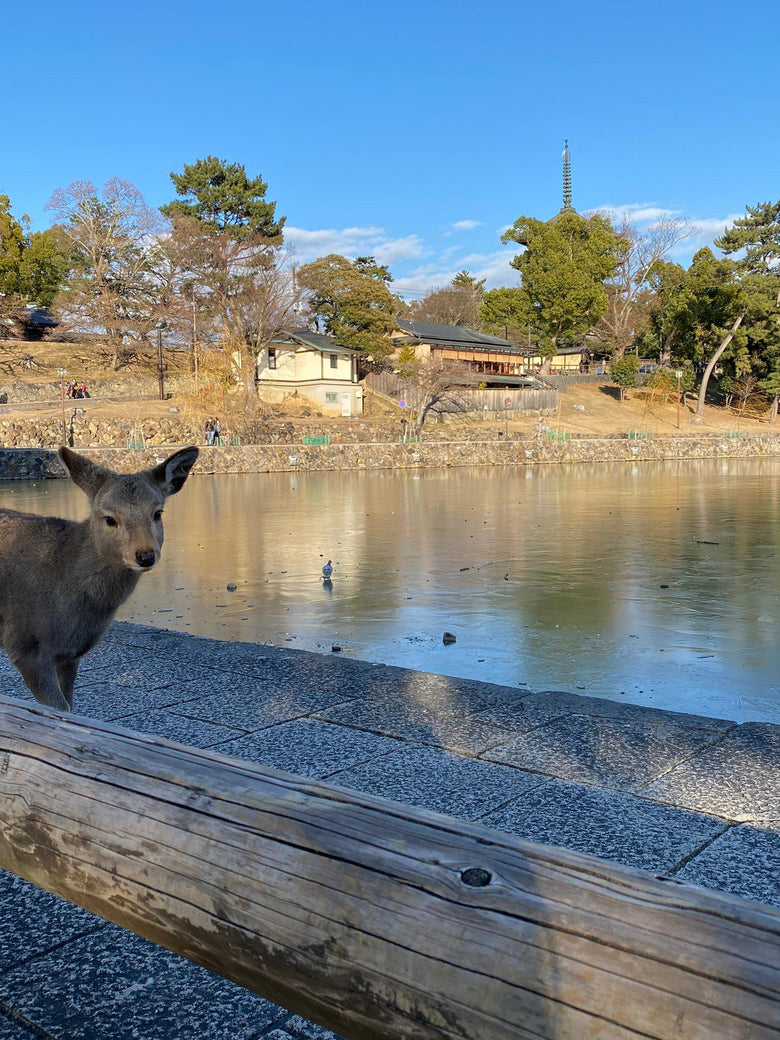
[[653, 583]]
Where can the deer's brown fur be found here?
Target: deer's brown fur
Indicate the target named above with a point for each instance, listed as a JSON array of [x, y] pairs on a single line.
[[61, 581]]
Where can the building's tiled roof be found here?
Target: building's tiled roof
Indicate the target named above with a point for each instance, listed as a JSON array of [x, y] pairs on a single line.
[[315, 340], [41, 317], [559, 351], [453, 335]]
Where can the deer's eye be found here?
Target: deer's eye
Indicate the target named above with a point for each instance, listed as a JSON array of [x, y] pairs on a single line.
[[110, 521], [158, 516]]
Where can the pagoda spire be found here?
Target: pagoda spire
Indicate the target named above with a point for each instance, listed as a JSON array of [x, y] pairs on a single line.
[[567, 206]]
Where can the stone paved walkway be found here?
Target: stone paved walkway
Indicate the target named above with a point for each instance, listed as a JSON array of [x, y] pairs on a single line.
[[682, 795]]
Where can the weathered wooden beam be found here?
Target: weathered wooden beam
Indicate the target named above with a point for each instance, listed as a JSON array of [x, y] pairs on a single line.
[[373, 918]]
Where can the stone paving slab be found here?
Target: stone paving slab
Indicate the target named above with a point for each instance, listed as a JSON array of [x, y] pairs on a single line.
[[435, 779], [352, 677], [30, 916], [113, 985], [193, 732], [738, 778], [134, 668], [249, 703], [602, 707], [110, 701], [451, 726], [615, 826], [609, 753], [310, 747], [744, 861], [11, 1029], [650, 789]]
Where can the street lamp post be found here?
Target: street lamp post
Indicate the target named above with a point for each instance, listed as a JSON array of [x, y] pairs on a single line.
[[62, 373], [160, 365], [678, 373]]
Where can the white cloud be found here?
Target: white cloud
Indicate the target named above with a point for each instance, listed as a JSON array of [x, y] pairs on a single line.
[[493, 267], [351, 242], [637, 212], [703, 230], [395, 250], [706, 229], [466, 225]]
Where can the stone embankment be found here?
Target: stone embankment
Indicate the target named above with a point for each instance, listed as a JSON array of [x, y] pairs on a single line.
[[290, 456], [117, 388], [86, 431]]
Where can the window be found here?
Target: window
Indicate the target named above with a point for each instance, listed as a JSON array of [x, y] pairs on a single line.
[[334, 361], [272, 357], [331, 398]]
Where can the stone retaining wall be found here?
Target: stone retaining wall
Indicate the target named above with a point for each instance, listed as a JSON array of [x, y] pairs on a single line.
[[117, 387], [83, 431], [36, 464]]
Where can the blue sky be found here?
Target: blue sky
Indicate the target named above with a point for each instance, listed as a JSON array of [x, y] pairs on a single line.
[[416, 131]]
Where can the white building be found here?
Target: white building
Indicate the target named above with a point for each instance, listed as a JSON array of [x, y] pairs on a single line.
[[314, 366]]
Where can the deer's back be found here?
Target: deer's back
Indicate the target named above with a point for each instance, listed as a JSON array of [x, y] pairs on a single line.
[[29, 542]]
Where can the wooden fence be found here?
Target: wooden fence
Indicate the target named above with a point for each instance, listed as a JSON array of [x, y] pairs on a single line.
[[373, 918], [466, 399]]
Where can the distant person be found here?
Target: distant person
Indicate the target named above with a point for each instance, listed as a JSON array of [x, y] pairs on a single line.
[[84, 391], [217, 432], [209, 430]]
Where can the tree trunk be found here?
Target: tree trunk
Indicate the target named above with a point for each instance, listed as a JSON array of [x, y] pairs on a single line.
[[773, 413], [248, 374], [714, 360]]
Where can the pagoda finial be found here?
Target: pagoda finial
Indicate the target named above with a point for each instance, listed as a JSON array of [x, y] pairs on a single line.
[[567, 206]]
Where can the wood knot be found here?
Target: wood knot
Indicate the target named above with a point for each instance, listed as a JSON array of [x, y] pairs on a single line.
[[476, 877]]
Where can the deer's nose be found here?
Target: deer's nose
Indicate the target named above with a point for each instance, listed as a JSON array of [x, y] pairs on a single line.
[[145, 557]]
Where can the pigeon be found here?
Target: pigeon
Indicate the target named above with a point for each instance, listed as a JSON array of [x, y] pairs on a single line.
[[327, 570]]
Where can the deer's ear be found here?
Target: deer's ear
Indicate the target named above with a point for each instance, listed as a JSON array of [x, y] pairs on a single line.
[[171, 474], [83, 473]]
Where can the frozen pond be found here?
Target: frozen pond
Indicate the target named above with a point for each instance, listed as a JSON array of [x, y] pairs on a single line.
[[651, 583]]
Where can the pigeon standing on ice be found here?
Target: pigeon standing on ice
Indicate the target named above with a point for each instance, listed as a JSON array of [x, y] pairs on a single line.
[[327, 570]]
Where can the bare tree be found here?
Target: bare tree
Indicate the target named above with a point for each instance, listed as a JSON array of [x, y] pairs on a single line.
[[458, 303], [432, 382], [113, 286], [638, 251]]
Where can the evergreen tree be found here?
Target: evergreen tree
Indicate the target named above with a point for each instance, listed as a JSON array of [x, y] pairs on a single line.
[[352, 302], [563, 269], [755, 240], [32, 265], [222, 199], [225, 255]]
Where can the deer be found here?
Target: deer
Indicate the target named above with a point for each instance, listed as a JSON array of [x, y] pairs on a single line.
[[62, 581]]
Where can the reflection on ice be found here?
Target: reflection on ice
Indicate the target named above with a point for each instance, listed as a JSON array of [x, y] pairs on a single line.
[[652, 583]]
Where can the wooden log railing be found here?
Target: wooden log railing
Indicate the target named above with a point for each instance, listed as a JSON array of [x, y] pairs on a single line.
[[373, 918]]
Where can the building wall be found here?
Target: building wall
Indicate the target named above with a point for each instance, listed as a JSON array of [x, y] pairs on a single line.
[[334, 389], [299, 364], [331, 398], [559, 363]]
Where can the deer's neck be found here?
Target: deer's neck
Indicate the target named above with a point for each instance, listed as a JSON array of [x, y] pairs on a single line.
[[104, 584]]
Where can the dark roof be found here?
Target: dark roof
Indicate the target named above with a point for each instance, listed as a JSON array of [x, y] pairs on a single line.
[[36, 317], [316, 341], [430, 330], [559, 351], [453, 335]]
